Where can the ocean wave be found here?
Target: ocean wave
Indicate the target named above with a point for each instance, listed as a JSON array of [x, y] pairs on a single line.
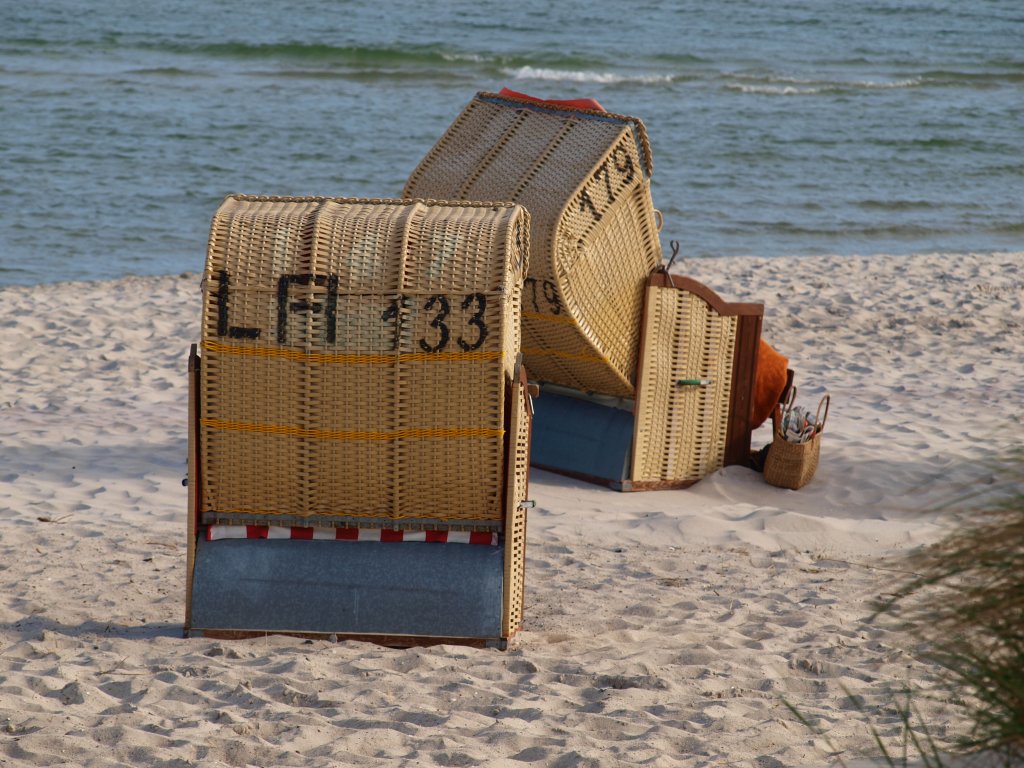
[[582, 76], [897, 205], [425, 60], [435, 55], [786, 86], [163, 71], [910, 82], [1010, 228], [774, 90], [323, 53], [472, 58], [896, 230], [1003, 73], [779, 85]]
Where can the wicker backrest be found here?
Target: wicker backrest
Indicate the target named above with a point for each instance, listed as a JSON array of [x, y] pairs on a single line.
[[697, 366], [356, 360], [584, 176]]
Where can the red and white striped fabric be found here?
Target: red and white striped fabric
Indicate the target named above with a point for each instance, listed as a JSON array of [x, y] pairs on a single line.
[[216, 532]]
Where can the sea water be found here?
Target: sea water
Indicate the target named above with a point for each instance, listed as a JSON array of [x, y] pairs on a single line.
[[778, 128]]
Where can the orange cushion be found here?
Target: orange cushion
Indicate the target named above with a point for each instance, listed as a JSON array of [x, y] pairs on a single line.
[[769, 383], [576, 103]]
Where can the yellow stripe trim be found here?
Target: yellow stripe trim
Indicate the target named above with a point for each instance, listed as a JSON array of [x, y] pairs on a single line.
[[421, 433], [566, 319], [537, 352], [378, 358]]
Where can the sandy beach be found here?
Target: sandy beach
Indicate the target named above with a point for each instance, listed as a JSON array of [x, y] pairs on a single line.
[[662, 628]]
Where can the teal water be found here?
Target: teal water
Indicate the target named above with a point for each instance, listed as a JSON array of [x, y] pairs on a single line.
[[791, 127]]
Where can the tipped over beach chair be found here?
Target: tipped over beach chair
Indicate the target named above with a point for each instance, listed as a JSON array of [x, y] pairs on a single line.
[[360, 424], [605, 334], [585, 177]]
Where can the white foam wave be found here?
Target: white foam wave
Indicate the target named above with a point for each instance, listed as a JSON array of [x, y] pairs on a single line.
[[575, 76], [775, 90], [473, 58], [911, 82], [795, 87]]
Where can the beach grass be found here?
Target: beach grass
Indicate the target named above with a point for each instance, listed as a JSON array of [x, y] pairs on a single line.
[[962, 607], [965, 605]]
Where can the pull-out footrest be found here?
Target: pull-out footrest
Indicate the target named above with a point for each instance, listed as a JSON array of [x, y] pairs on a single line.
[[400, 593]]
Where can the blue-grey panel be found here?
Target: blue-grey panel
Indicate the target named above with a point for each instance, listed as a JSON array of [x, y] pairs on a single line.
[[582, 437], [408, 588]]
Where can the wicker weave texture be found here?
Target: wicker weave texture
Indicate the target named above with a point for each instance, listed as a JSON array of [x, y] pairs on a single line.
[[356, 355], [585, 178], [791, 465], [681, 429]]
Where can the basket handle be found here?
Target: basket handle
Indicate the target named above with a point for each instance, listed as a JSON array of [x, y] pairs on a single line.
[[781, 409], [819, 420], [790, 401]]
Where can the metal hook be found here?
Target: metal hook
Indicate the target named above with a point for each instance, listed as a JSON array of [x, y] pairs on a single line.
[[675, 252]]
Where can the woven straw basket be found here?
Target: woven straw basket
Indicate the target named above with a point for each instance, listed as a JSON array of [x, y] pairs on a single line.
[[584, 176], [357, 357], [792, 465]]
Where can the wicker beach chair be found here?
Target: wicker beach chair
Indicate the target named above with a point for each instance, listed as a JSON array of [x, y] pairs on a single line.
[[360, 423], [585, 177], [605, 335]]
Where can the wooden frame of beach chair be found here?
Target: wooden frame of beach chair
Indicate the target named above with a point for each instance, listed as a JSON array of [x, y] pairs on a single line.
[[360, 423], [692, 411]]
